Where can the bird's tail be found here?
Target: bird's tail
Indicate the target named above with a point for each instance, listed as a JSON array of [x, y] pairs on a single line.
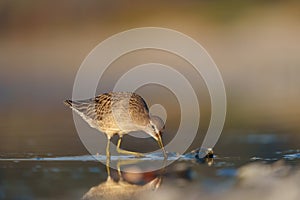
[[80, 106], [84, 108], [68, 103]]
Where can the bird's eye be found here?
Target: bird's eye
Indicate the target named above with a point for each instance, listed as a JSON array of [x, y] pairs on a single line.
[[153, 127]]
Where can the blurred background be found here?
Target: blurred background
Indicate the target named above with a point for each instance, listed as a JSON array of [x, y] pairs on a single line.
[[255, 44]]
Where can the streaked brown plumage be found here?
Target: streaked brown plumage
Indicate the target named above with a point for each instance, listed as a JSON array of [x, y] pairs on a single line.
[[118, 113]]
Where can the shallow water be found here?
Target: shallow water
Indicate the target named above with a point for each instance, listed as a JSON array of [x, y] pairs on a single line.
[[241, 162], [74, 177]]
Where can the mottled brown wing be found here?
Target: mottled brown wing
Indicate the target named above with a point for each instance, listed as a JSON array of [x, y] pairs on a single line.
[[98, 111], [130, 105], [139, 111]]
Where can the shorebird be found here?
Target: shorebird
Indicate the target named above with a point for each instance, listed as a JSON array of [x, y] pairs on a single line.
[[119, 113]]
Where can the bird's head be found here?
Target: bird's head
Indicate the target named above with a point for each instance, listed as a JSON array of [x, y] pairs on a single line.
[[155, 128]]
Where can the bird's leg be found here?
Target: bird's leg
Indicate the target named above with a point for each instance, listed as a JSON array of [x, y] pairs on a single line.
[[107, 148], [108, 157], [119, 150]]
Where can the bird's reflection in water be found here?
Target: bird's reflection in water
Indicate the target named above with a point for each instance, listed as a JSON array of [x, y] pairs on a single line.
[[127, 186], [130, 185]]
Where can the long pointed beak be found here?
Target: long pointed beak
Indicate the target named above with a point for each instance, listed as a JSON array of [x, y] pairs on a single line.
[[159, 141]]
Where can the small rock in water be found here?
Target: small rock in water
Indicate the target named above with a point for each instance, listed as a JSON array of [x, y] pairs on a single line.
[[203, 153]]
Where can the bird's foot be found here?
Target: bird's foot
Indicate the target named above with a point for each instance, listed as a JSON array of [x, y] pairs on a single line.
[[135, 154], [139, 155]]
